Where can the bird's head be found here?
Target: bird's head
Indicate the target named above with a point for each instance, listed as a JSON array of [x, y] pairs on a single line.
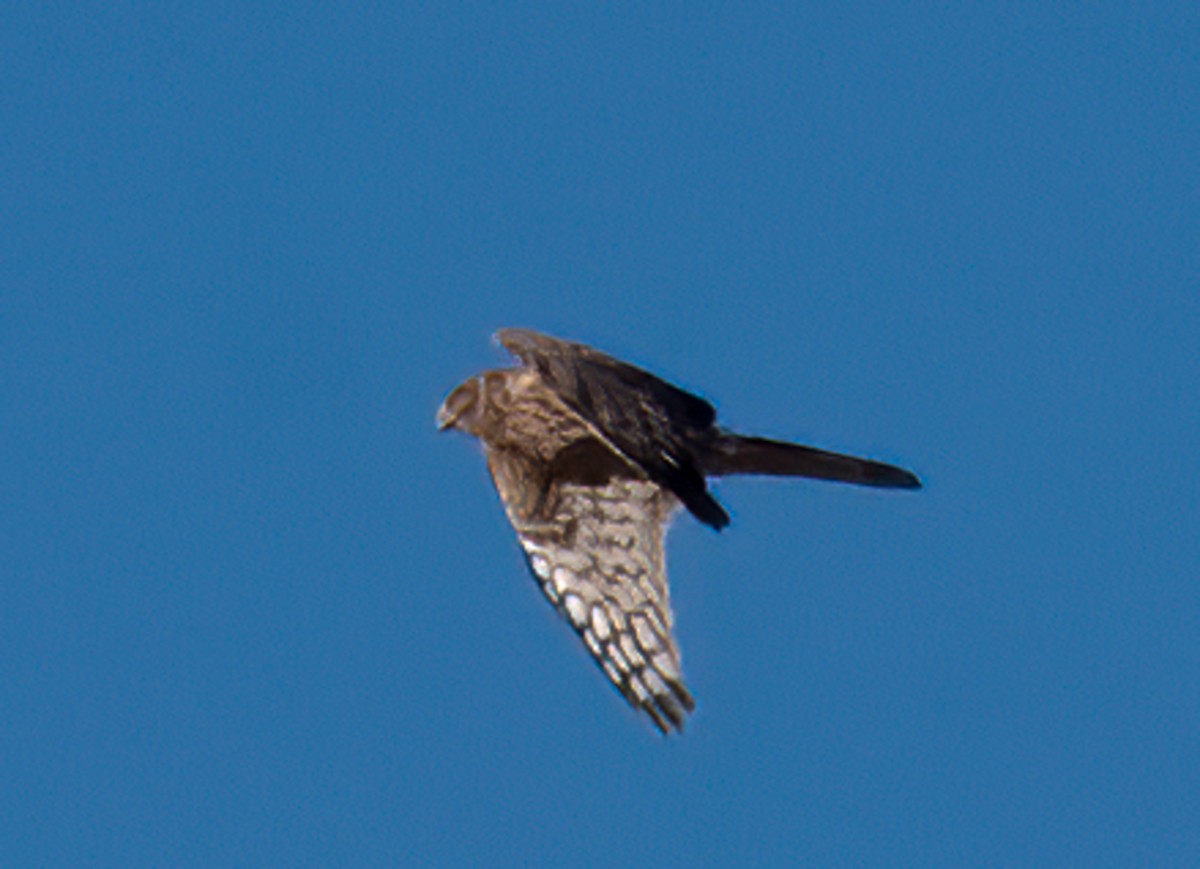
[[462, 408]]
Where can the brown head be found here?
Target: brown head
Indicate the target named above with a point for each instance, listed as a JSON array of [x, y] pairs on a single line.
[[474, 404], [461, 408]]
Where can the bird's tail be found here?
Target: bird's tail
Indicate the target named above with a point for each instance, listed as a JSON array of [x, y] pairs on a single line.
[[735, 454]]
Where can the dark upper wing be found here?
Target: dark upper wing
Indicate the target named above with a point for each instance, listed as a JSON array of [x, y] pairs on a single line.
[[653, 424], [597, 553]]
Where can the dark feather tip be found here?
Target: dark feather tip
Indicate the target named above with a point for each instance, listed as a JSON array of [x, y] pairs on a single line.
[[897, 478]]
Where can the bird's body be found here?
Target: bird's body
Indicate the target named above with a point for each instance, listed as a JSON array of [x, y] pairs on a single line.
[[591, 456]]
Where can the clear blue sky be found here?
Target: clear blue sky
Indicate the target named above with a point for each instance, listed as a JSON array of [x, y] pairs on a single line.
[[254, 611]]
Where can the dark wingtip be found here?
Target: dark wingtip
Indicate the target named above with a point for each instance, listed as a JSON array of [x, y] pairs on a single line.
[[669, 711], [708, 510]]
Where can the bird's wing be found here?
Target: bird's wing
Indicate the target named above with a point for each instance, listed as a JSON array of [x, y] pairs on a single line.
[[653, 424], [596, 550]]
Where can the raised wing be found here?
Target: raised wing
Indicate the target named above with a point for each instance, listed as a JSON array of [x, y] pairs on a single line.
[[656, 426], [596, 550]]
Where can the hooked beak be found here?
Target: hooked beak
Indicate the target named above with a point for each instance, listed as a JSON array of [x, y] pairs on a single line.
[[445, 419]]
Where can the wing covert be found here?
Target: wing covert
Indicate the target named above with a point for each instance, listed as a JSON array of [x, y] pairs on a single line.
[[652, 423]]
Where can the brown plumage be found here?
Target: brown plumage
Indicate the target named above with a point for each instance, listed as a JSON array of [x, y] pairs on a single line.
[[591, 456]]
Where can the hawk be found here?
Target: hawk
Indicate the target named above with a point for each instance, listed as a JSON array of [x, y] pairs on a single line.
[[591, 457]]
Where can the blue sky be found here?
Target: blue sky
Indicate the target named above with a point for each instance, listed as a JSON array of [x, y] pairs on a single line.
[[255, 611]]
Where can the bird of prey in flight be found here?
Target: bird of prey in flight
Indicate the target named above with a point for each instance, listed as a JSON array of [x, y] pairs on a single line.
[[591, 456]]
